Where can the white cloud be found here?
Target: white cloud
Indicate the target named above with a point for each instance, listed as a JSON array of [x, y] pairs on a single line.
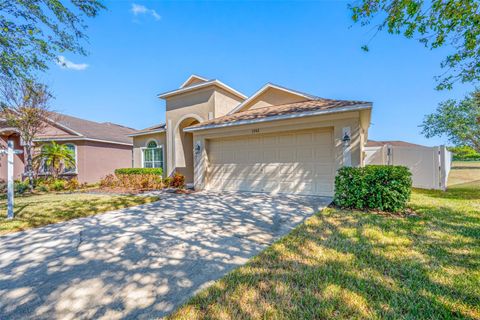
[[67, 64], [138, 9]]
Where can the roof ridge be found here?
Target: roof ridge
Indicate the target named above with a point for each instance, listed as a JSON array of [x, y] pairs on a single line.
[[88, 120]]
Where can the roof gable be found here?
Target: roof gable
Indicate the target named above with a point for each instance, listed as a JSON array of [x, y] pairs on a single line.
[[202, 85], [193, 79], [270, 95]]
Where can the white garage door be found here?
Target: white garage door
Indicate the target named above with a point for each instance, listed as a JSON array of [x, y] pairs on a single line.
[[298, 162]]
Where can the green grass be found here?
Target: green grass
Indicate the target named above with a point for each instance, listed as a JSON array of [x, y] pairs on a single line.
[[39, 210], [355, 265]]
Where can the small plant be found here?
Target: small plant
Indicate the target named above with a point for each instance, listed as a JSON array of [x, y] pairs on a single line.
[[21, 187], [166, 182], [3, 186], [58, 185], [42, 188], [72, 184], [177, 181], [385, 188], [156, 171]]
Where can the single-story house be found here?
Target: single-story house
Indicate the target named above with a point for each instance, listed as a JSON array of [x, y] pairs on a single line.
[[429, 166], [99, 148], [278, 140]]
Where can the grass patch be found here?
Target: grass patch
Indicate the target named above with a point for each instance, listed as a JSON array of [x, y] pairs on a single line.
[[38, 210], [356, 265], [465, 174]]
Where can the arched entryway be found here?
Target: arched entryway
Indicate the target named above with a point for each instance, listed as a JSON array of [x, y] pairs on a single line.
[[183, 147]]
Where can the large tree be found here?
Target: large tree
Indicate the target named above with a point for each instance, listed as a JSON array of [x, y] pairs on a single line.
[[34, 32], [454, 24], [459, 121], [25, 107]]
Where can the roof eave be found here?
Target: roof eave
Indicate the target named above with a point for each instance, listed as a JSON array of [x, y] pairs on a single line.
[[81, 139], [145, 133], [363, 106]]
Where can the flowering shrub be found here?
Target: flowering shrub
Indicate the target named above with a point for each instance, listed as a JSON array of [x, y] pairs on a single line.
[[177, 181], [132, 181]]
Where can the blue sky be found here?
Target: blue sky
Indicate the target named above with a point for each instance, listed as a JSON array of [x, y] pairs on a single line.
[[138, 49]]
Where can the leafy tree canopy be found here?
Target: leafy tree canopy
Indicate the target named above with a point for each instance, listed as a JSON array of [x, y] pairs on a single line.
[[33, 32], [459, 121], [435, 23]]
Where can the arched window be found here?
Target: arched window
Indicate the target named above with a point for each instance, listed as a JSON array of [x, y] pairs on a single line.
[[153, 155], [73, 149]]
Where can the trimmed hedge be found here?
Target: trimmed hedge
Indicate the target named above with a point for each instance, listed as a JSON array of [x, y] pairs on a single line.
[[385, 188], [156, 171]]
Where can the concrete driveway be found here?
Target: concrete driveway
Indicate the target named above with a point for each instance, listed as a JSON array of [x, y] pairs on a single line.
[[140, 262]]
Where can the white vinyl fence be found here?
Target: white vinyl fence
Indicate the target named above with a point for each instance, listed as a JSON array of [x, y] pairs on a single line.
[[430, 166]]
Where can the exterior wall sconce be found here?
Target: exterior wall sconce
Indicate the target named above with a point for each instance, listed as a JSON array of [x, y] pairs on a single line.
[[197, 148], [346, 139]]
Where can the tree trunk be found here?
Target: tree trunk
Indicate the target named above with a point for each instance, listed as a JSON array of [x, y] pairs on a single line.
[[29, 165]]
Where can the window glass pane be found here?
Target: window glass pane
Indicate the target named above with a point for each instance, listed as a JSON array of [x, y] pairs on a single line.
[[156, 154], [152, 144], [148, 156], [70, 168]]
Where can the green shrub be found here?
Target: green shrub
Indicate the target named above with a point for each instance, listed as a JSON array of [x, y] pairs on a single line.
[[385, 188], [58, 185], [464, 153], [42, 188], [156, 171], [21, 187]]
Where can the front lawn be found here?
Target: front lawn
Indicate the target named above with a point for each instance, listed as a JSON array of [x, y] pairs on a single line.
[[348, 264], [38, 210], [465, 174]]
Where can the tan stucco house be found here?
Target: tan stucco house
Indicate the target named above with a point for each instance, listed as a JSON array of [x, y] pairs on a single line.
[[278, 140], [99, 148]]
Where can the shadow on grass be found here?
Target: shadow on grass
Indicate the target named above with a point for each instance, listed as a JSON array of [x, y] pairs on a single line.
[[347, 264], [31, 212]]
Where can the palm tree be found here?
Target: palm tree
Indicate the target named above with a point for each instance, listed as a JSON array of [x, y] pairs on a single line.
[[54, 158]]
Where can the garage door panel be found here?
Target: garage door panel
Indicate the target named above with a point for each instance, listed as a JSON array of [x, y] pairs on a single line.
[[291, 162], [287, 139]]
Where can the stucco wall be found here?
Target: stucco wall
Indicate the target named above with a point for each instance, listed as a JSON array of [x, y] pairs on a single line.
[[225, 102], [18, 159], [200, 105], [96, 160], [272, 97], [140, 142], [337, 121]]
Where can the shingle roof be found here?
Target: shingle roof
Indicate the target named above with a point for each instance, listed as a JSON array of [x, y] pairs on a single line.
[[152, 129], [279, 110], [95, 130], [373, 143]]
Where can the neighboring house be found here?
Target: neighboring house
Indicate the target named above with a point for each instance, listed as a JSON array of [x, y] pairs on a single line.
[[99, 148], [429, 166], [278, 140]]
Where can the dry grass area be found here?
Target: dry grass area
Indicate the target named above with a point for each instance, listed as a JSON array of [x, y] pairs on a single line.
[[465, 173], [356, 265], [39, 210]]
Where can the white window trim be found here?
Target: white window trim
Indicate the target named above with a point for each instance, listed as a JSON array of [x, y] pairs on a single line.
[[142, 149]]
